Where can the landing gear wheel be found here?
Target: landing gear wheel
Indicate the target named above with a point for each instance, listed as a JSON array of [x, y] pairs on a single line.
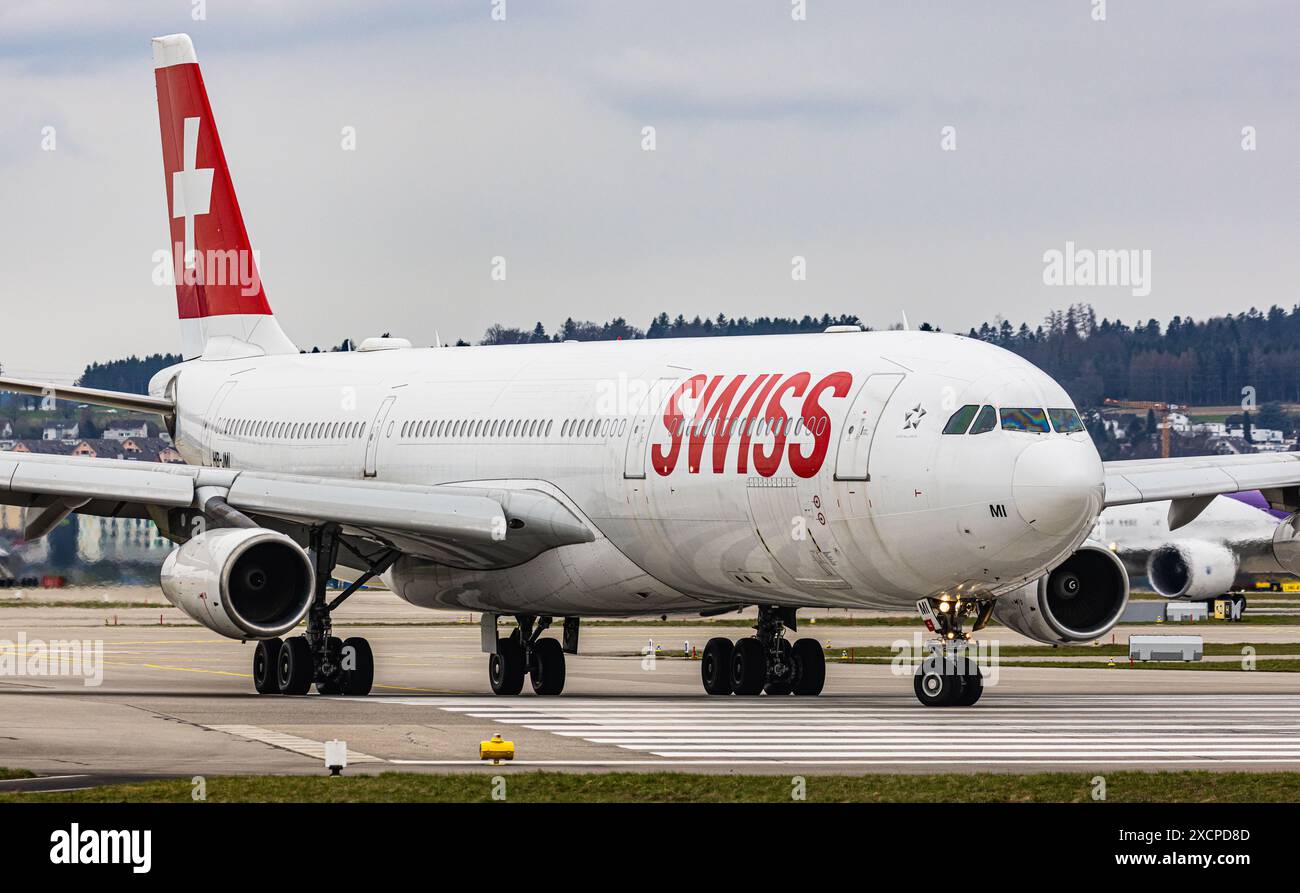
[[972, 686], [266, 658], [748, 667], [809, 667], [715, 666], [506, 667], [782, 686], [547, 670], [936, 684], [331, 686], [358, 675], [295, 667]]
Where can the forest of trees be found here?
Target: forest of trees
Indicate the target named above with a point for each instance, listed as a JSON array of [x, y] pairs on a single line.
[[130, 375], [1197, 363], [664, 327], [1184, 361]]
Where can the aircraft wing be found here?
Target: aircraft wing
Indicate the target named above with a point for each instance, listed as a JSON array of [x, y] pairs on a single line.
[[467, 526], [1192, 481]]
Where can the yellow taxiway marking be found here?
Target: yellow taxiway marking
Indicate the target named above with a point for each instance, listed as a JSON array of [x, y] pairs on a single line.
[[32, 644], [250, 676], [408, 688], [198, 670]]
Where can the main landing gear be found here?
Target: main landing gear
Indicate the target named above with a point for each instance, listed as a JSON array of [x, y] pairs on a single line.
[[765, 662], [337, 666], [948, 675], [525, 652]]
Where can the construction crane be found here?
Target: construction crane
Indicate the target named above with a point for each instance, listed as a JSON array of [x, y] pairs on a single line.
[[1161, 410]]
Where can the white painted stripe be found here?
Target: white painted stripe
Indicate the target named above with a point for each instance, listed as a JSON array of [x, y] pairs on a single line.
[[852, 762], [614, 738], [1137, 730], [293, 743], [1098, 756], [551, 725]]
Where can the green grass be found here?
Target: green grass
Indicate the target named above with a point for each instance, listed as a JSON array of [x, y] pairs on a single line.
[[664, 787], [885, 653], [6, 774], [1261, 666]]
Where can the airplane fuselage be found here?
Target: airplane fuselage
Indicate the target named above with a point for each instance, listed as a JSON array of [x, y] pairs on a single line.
[[788, 470]]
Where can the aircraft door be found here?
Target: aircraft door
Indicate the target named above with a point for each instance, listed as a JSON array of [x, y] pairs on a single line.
[[859, 428], [376, 432], [643, 416]]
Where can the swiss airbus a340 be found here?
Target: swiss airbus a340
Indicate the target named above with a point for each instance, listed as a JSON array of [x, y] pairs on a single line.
[[552, 482]]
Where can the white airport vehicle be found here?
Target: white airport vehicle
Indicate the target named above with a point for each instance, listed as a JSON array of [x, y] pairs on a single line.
[[553, 482], [1237, 538]]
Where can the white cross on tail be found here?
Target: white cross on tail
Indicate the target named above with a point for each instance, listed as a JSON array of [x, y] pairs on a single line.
[[191, 188]]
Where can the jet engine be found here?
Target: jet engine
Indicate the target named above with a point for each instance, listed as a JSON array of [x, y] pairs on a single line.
[[1078, 601], [1194, 569], [245, 583], [1286, 544]]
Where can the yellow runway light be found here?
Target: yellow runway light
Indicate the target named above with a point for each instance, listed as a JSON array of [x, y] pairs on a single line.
[[496, 750]]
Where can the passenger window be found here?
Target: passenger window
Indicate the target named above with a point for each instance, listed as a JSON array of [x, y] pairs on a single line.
[[1065, 421], [1031, 419], [986, 421], [961, 419]]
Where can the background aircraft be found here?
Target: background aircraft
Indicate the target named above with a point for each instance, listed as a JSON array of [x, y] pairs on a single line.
[[1229, 546]]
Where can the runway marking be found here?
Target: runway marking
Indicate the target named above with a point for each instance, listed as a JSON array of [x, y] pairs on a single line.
[[1148, 730], [293, 743]]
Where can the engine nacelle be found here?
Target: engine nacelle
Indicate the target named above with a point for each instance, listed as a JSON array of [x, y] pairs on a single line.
[[1195, 569], [1286, 544], [1078, 601], [245, 583]]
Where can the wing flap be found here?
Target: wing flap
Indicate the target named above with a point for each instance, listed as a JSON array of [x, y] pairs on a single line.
[[468, 525], [420, 510]]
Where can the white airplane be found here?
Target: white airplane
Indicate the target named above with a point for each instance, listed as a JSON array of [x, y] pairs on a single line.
[[1236, 538], [557, 481]]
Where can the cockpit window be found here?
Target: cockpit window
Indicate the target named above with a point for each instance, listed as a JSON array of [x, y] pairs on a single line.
[[960, 420], [987, 420], [1031, 419], [1065, 421]]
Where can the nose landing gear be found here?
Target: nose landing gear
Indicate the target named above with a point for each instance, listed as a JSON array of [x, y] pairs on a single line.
[[766, 661], [948, 675]]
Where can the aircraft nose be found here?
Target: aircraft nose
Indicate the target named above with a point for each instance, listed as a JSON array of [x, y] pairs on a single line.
[[1058, 485]]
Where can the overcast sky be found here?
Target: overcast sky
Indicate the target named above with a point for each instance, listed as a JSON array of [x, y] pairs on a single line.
[[774, 138]]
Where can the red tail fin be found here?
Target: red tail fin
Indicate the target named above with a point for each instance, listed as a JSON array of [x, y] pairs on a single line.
[[218, 285]]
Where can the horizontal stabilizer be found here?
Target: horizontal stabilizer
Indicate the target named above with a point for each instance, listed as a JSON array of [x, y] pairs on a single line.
[[94, 396]]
